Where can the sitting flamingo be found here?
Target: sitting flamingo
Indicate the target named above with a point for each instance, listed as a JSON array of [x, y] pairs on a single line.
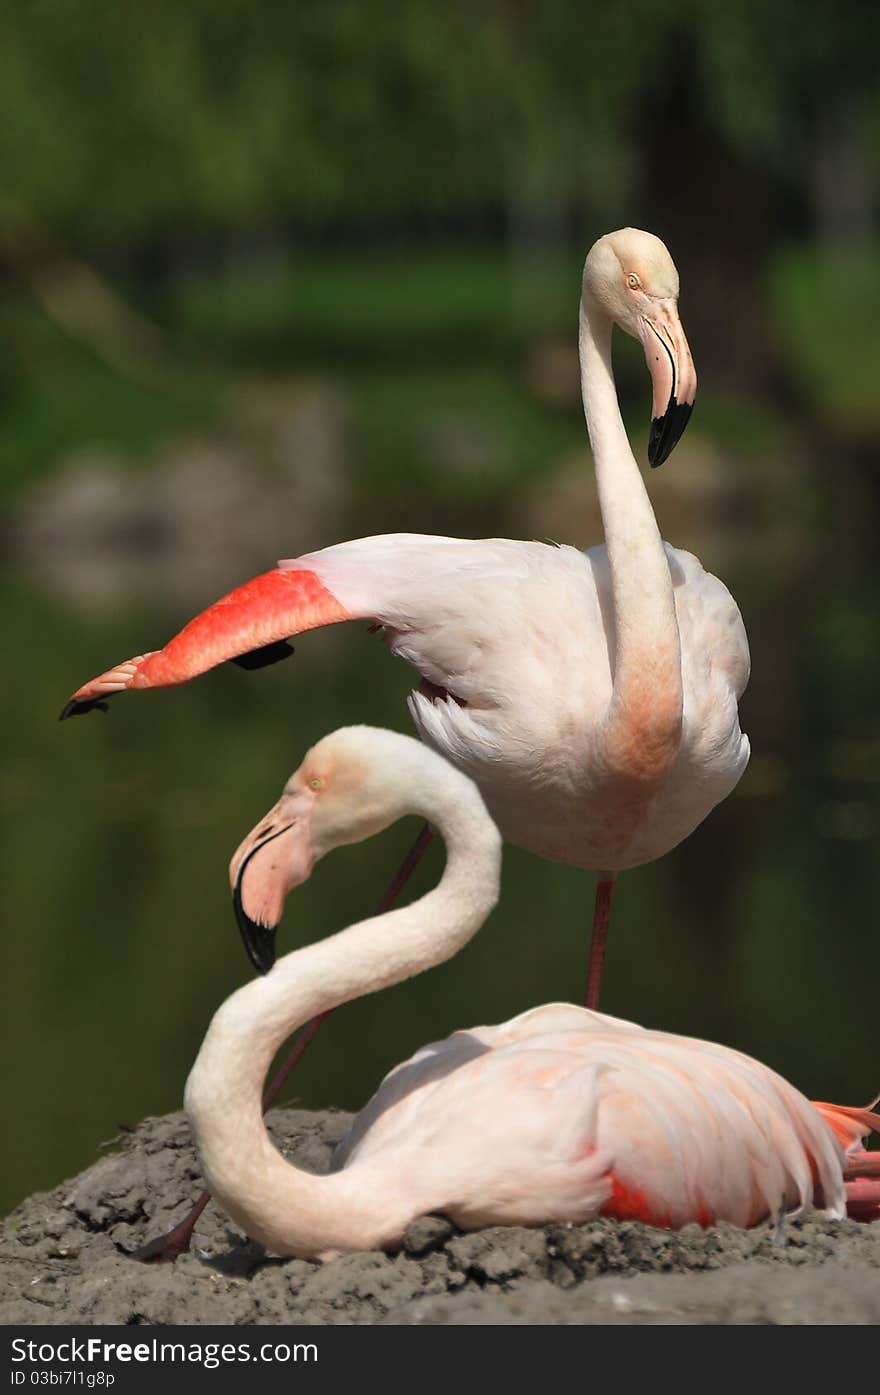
[[561, 1114], [592, 696]]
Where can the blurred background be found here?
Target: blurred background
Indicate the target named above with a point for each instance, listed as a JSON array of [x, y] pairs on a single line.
[[275, 275]]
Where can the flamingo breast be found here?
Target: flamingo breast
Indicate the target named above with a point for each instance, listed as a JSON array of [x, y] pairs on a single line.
[[514, 644]]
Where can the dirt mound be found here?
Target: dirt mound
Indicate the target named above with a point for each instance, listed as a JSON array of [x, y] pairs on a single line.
[[62, 1259]]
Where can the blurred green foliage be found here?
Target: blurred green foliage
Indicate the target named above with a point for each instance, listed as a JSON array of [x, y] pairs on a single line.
[[128, 121], [299, 181], [827, 308]]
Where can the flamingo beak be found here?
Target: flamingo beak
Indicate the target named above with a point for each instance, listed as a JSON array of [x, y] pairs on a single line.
[[275, 857], [673, 375]]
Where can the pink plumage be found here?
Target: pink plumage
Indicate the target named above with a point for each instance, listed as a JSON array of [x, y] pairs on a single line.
[[561, 1114], [512, 641], [593, 696], [607, 1119]]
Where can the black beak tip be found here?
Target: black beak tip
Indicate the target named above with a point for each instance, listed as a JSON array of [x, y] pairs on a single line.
[[78, 707], [667, 431], [261, 948], [258, 940]]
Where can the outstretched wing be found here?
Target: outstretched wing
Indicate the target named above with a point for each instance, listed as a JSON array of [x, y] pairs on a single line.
[[462, 612], [248, 621]]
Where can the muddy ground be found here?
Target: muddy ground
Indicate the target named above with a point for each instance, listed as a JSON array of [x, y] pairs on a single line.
[[63, 1260]]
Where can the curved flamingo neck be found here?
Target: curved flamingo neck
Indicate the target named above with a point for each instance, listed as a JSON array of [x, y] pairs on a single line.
[[642, 730], [290, 1211]]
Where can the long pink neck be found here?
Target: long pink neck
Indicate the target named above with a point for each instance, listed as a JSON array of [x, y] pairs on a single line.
[[290, 1211], [642, 730]]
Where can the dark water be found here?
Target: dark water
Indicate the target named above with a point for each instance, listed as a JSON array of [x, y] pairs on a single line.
[[120, 943]]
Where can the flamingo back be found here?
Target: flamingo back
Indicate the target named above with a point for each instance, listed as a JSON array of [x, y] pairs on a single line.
[[566, 1114], [514, 642]]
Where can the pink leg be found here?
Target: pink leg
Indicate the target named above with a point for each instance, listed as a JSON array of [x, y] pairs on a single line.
[[177, 1241], [601, 917], [863, 1201], [174, 1242], [861, 1179]]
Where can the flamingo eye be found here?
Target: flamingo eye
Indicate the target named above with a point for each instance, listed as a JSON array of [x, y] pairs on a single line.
[[316, 783], [633, 281]]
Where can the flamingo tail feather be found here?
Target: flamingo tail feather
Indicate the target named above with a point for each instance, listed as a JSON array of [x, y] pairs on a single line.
[[861, 1172]]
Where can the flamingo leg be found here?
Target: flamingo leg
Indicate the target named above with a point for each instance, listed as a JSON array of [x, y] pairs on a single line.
[[861, 1179], [601, 918], [863, 1201], [177, 1241]]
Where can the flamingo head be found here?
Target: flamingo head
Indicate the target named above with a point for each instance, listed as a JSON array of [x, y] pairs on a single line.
[[630, 277], [350, 785]]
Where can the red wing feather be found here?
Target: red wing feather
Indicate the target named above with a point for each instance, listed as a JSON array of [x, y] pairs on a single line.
[[271, 607]]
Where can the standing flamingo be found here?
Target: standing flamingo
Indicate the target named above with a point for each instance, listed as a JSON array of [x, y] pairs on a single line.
[[592, 696], [562, 1114]]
